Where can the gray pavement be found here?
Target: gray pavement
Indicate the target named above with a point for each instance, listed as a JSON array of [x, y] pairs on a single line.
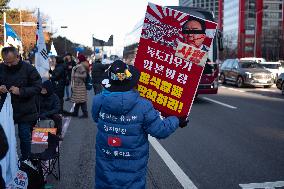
[[221, 148]]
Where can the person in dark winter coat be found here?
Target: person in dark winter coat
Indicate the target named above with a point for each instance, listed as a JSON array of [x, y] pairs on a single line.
[[49, 105], [58, 79], [70, 64], [98, 74], [24, 83], [124, 120], [3, 151]]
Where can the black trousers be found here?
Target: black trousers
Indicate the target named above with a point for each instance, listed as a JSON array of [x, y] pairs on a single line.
[[83, 108], [97, 88], [61, 104], [2, 183]]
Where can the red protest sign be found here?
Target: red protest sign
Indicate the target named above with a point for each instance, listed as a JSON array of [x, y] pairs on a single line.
[[171, 56], [40, 135]]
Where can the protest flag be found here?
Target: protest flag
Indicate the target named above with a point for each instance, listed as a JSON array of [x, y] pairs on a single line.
[[12, 39], [41, 55]]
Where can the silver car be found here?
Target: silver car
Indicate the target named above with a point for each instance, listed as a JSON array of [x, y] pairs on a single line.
[[244, 73]]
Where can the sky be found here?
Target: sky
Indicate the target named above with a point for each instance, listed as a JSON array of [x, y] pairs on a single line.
[[85, 18]]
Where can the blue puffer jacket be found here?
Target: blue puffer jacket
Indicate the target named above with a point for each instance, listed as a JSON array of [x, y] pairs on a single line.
[[124, 120]]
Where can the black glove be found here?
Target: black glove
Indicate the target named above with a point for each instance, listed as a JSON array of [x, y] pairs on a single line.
[[182, 121]]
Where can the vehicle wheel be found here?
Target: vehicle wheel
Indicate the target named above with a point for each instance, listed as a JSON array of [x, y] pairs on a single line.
[[282, 88], [222, 79], [240, 82], [268, 86]]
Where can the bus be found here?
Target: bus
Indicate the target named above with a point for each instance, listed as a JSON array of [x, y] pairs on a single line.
[[209, 80]]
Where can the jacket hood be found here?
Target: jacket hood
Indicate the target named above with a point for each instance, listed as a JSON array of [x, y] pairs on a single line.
[[118, 103], [48, 86]]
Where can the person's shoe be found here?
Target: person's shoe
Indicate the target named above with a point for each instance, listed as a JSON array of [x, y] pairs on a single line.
[[83, 116]]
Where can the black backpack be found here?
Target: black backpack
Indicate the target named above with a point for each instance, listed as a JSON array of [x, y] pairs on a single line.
[[34, 173]]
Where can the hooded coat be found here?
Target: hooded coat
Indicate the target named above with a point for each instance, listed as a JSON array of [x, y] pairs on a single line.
[[48, 104], [58, 78], [124, 120], [78, 78]]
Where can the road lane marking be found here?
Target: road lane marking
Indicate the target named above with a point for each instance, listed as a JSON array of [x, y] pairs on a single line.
[[220, 103], [233, 89], [265, 185], [172, 165], [267, 90], [67, 122]]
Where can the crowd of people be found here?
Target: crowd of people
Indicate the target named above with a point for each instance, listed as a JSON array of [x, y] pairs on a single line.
[[34, 100], [124, 119]]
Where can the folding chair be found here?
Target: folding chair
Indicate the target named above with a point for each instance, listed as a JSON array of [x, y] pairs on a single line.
[[50, 157]]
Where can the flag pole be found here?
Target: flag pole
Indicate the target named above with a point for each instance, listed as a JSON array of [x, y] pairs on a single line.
[[4, 23]]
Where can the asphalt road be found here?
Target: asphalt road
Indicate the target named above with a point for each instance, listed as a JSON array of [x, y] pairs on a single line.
[[235, 137]]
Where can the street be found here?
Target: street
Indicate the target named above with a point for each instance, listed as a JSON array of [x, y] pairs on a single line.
[[235, 137]]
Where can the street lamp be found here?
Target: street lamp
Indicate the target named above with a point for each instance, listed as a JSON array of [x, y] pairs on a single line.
[[64, 27]]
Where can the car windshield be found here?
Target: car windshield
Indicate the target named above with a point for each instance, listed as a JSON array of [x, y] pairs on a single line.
[[271, 66], [251, 65]]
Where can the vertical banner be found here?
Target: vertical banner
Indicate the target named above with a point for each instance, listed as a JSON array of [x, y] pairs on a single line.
[[172, 52]]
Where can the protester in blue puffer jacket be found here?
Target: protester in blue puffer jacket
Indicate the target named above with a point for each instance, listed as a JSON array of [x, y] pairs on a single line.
[[124, 120]]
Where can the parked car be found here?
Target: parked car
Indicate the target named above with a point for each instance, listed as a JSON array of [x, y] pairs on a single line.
[[274, 67], [241, 73], [254, 59], [280, 83]]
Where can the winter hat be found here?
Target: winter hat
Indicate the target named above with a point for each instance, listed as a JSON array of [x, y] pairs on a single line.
[[121, 77], [82, 58], [48, 86]]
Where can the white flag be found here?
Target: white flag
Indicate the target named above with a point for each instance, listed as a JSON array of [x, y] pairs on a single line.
[[53, 50], [41, 56], [10, 163]]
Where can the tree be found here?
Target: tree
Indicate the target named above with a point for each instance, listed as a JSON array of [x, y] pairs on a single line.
[[26, 33], [4, 3], [59, 43]]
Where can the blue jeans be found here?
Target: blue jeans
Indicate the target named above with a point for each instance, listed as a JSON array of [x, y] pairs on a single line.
[[67, 91], [25, 136]]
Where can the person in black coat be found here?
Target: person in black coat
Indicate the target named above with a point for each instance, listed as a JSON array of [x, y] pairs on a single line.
[[49, 105], [3, 151], [70, 64], [23, 81], [98, 74], [58, 79]]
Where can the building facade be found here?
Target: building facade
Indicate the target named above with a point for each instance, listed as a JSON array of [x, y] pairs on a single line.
[[250, 27], [212, 5], [258, 25]]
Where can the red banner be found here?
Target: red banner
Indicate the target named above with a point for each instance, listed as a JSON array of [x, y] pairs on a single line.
[[40, 135], [172, 52]]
